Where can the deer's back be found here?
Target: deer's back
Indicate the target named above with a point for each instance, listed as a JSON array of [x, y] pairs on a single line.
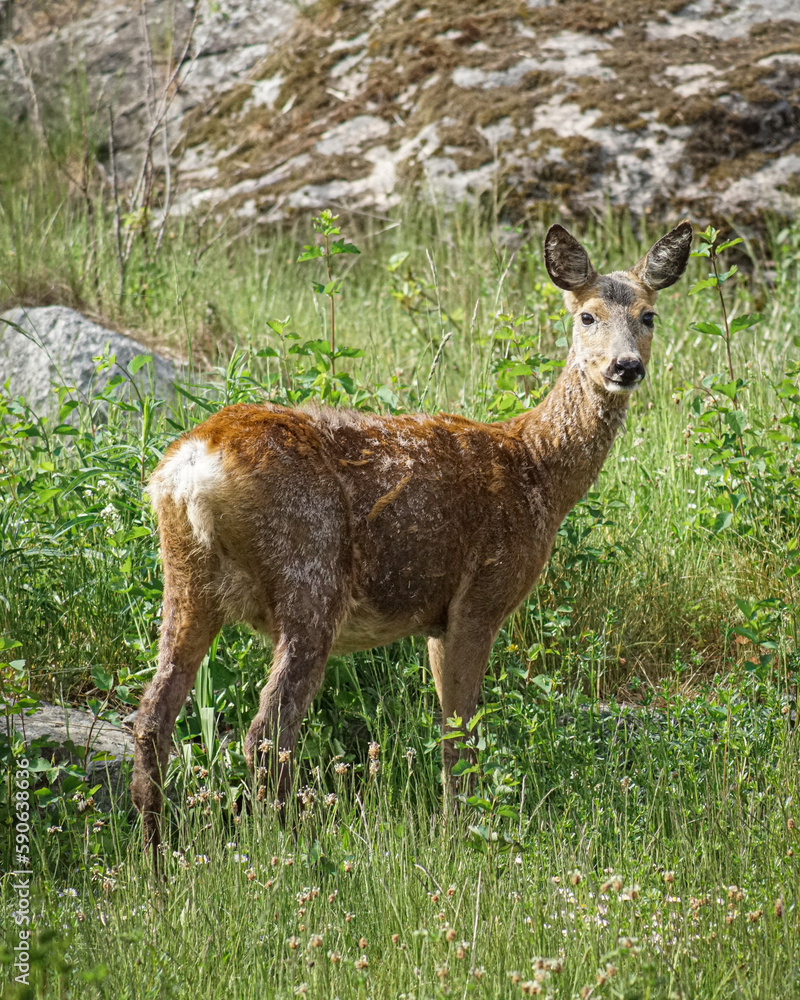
[[404, 511]]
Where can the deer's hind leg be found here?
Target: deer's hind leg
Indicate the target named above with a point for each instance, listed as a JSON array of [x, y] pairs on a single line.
[[296, 676], [309, 567], [189, 623]]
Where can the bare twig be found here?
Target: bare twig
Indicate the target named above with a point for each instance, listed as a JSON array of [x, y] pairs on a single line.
[[141, 197]]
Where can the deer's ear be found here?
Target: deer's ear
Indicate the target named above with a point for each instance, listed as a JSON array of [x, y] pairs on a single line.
[[566, 261], [665, 261]]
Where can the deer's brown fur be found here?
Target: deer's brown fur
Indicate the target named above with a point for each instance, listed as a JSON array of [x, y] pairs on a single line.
[[333, 531]]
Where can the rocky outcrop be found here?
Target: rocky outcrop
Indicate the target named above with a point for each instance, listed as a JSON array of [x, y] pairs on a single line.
[[52, 346], [127, 54], [669, 109]]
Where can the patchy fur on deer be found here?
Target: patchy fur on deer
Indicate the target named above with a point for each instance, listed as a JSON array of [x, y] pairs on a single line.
[[332, 531]]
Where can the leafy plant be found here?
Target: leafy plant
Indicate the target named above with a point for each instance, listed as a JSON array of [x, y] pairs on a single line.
[[324, 224]]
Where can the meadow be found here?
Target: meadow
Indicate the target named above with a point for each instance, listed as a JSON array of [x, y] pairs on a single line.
[[632, 832]]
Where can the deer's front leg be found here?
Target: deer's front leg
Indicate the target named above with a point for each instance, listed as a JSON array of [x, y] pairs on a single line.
[[459, 663]]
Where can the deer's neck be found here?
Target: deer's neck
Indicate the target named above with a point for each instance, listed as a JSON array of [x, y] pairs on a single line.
[[569, 435]]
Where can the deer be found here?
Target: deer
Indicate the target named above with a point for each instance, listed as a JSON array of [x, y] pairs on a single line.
[[332, 531]]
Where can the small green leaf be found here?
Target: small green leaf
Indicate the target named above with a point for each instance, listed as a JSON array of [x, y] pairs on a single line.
[[736, 420], [267, 352], [339, 246], [728, 274], [728, 243], [721, 521], [42, 496], [745, 321], [278, 325], [698, 286], [396, 260], [544, 683], [103, 680], [67, 407], [139, 362], [518, 369], [476, 718], [310, 253], [385, 395], [728, 389], [709, 328], [318, 347]]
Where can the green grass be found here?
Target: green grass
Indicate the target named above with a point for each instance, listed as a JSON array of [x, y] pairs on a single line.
[[669, 587], [661, 852]]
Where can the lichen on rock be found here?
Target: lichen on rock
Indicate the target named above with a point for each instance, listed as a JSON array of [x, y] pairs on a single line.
[[692, 108]]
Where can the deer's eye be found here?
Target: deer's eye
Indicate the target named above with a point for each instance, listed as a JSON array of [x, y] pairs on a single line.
[[648, 319], [587, 319]]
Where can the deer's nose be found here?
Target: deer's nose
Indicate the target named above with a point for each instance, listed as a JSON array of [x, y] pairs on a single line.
[[628, 370]]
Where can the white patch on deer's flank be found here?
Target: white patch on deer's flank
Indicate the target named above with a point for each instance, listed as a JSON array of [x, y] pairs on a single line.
[[190, 477]]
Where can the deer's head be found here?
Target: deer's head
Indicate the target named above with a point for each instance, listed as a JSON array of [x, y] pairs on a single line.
[[613, 314]]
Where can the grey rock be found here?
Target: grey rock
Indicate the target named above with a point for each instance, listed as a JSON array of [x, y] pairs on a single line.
[[58, 346], [104, 747], [63, 724]]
